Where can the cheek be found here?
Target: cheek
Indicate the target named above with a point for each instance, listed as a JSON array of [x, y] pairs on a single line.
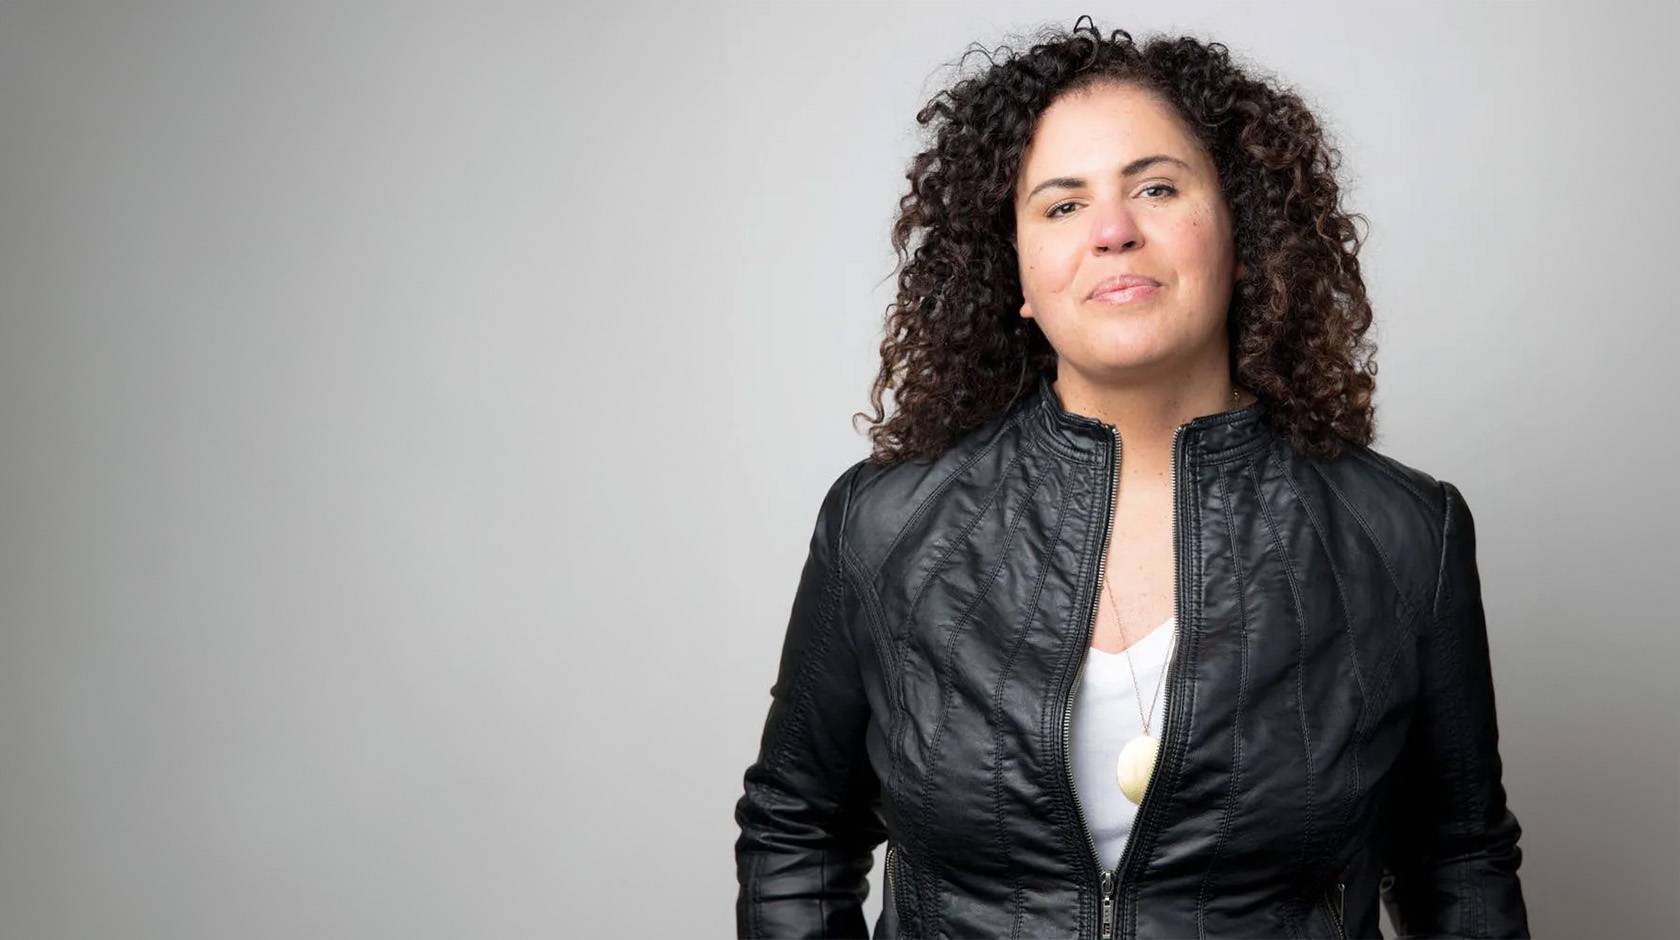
[[1196, 240], [1047, 268]]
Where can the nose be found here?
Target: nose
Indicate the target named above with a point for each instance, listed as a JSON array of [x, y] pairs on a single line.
[[1113, 228]]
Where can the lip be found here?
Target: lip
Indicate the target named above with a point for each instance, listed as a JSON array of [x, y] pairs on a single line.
[[1125, 286]]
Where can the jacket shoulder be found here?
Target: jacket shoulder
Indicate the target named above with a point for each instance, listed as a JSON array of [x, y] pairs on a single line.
[[887, 500], [1401, 508], [1365, 469]]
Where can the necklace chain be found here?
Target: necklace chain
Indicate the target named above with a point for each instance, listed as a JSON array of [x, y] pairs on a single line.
[[1133, 669], [1109, 590]]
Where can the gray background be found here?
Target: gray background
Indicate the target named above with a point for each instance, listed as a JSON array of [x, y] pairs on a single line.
[[414, 416]]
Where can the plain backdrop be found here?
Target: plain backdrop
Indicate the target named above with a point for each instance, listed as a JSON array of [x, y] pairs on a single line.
[[413, 415]]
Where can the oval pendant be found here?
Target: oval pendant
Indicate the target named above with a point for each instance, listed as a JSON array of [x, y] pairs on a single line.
[[1136, 764]]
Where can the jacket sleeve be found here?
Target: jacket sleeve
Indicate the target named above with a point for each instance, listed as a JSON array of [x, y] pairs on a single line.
[[808, 817], [1452, 856]]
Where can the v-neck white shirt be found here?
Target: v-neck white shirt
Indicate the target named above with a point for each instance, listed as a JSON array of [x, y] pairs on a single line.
[[1105, 717]]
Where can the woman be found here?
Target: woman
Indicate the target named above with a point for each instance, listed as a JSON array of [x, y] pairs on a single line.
[[1124, 630]]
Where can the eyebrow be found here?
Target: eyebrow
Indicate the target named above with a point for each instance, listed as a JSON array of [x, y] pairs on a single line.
[[1131, 169]]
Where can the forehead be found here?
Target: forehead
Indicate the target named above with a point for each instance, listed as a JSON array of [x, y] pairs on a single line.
[[1101, 127]]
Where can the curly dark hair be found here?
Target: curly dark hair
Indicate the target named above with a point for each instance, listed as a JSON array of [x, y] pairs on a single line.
[[954, 350]]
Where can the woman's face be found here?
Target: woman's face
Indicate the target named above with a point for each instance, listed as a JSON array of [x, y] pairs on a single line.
[[1090, 204]]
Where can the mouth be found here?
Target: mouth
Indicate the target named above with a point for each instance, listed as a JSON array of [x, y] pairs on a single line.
[[1125, 294], [1123, 288]]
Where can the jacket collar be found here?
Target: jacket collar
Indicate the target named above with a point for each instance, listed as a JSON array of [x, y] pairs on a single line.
[[1086, 439]]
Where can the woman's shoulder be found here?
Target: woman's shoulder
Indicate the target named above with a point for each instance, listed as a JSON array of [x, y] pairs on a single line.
[[881, 499], [1397, 507], [1360, 469]]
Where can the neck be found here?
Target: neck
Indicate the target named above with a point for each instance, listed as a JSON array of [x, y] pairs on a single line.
[[1146, 414]]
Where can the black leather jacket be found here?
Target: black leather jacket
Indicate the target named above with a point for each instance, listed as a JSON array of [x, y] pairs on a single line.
[[1329, 735]]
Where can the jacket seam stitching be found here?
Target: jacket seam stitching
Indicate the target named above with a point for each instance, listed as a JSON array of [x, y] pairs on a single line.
[[1441, 563], [1088, 558], [1384, 676], [776, 756], [855, 573], [1444, 597], [1335, 573], [833, 589], [917, 812], [1043, 435], [1377, 546], [756, 870], [1382, 465], [823, 636], [1235, 781], [1238, 452], [1018, 890], [1361, 723], [1306, 851], [966, 531], [948, 644], [927, 501]]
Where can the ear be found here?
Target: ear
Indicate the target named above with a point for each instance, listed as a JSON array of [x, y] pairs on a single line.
[[1026, 310]]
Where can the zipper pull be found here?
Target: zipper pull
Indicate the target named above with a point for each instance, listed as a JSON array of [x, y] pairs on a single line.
[[1107, 905]]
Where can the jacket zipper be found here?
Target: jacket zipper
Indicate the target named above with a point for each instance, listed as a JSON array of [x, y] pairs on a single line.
[[892, 857], [1109, 878], [1107, 904], [894, 876], [1339, 909]]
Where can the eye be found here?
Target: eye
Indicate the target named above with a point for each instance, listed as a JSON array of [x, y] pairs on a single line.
[[1167, 190]]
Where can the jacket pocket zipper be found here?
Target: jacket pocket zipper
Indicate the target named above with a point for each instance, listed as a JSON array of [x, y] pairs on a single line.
[[1337, 909], [892, 883]]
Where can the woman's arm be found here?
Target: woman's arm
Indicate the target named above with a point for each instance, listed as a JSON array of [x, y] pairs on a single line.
[[1453, 857], [807, 817]]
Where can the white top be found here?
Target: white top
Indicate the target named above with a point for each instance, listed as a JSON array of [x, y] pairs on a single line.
[[1105, 717]]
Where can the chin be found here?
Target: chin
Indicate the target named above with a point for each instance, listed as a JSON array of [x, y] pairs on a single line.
[[1128, 347], [1120, 367]]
